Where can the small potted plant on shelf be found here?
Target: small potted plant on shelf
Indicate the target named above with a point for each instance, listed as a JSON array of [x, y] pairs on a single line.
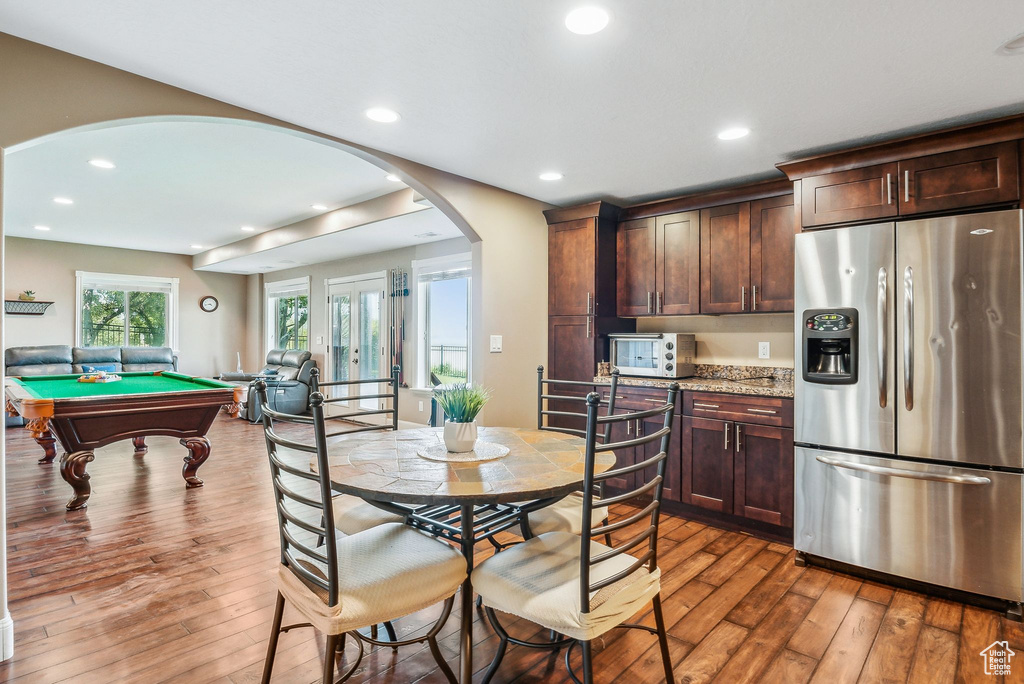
[[27, 296], [461, 403]]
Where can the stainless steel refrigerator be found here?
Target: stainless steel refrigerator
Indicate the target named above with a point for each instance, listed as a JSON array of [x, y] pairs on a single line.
[[908, 406]]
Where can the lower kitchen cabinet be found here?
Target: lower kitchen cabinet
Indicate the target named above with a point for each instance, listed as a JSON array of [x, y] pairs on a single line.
[[707, 464], [763, 474]]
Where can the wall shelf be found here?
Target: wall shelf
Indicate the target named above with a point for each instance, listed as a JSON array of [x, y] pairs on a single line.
[[20, 307]]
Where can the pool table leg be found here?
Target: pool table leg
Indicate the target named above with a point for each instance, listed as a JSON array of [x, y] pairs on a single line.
[[72, 469], [40, 429], [140, 445], [198, 452]]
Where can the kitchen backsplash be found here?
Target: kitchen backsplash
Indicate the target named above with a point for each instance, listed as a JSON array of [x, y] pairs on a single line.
[[732, 340]]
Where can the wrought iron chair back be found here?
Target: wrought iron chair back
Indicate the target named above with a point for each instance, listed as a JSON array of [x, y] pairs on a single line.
[[553, 394], [648, 515], [391, 393], [299, 556]]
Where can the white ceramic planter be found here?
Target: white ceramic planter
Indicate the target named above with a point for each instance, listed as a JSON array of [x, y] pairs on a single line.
[[460, 437]]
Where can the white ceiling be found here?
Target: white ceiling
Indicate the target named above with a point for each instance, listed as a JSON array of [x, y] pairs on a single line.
[[421, 227], [177, 185], [500, 91]]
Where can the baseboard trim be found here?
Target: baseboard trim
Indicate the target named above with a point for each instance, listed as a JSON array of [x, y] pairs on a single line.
[[6, 638]]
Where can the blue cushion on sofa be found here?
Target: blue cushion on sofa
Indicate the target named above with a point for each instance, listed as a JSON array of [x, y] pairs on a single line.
[[95, 368]]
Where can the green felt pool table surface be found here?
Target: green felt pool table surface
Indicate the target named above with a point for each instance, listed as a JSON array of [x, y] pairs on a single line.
[[68, 387]]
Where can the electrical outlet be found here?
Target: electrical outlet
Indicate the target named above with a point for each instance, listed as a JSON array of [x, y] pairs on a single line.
[[421, 407], [764, 350], [495, 344]]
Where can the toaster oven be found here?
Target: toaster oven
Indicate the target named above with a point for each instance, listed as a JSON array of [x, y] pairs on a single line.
[[654, 355]]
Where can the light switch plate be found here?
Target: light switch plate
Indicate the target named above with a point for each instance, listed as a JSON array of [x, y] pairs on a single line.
[[319, 339], [495, 344], [421, 407], [764, 350]]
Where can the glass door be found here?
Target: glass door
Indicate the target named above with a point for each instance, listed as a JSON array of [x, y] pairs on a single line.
[[356, 350]]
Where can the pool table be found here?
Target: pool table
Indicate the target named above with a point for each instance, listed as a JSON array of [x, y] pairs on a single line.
[[86, 416]]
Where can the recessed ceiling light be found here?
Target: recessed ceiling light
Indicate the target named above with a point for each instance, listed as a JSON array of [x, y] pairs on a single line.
[[196, 246], [247, 229], [734, 133], [393, 178], [102, 163], [44, 228], [382, 115], [318, 207], [424, 236], [1014, 46], [586, 20], [63, 200], [550, 176]]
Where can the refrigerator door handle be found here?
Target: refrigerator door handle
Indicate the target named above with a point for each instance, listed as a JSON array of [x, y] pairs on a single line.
[[899, 472], [882, 310], [908, 337]]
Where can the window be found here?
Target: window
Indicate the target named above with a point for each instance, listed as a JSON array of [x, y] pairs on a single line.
[[288, 314], [443, 295], [117, 310]]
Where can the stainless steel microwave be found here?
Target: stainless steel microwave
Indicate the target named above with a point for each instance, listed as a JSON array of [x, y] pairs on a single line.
[[654, 355]]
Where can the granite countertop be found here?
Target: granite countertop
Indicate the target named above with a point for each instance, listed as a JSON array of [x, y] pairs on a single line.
[[748, 380]]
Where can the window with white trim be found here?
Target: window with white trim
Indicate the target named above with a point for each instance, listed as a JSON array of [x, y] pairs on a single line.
[[287, 314], [444, 319], [118, 310]]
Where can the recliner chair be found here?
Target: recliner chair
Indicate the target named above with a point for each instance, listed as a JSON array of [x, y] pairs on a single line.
[[287, 376]]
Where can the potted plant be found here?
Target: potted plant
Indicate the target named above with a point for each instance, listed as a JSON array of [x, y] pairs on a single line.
[[461, 403], [27, 296]]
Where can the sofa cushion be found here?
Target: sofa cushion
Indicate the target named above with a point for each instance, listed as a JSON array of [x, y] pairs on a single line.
[[39, 369], [38, 355], [90, 359], [274, 357], [295, 358], [147, 358]]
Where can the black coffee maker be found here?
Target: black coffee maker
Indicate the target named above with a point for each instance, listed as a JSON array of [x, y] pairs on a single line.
[[830, 346]]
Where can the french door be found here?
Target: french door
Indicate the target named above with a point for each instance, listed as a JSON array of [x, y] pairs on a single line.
[[355, 349]]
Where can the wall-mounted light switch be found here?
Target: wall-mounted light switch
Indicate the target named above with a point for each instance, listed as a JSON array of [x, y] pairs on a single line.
[[421, 407], [495, 344], [764, 350], [319, 339]]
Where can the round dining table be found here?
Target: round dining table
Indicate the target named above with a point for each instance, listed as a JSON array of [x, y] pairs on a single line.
[[463, 502]]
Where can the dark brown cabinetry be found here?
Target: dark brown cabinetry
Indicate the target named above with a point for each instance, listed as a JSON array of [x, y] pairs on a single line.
[[964, 178], [772, 226], [658, 265], [738, 463], [630, 399], [847, 196], [725, 258], [572, 268]]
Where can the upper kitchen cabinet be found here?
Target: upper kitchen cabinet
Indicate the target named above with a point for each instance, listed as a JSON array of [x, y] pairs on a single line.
[[962, 168], [658, 265], [847, 196], [581, 260], [771, 254], [965, 178], [677, 263], [725, 258], [634, 267]]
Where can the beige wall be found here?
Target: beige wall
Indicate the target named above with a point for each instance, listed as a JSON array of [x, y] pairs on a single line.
[[732, 340], [207, 341], [408, 405]]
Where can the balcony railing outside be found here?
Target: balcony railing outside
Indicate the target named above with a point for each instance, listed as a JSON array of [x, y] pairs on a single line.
[[112, 335], [450, 363]]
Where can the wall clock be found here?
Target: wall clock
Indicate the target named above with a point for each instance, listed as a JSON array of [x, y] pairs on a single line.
[[208, 304]]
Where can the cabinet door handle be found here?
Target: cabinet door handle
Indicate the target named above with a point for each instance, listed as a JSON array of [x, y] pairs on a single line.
[[757, 410], [588, 327], [649, 303], [657, 303], [628, 432], [705, 406], [743, 297], [590, 300], [888, 188], [906, 185], [726, 432], [637, 427], [738, 434], [753, 298]]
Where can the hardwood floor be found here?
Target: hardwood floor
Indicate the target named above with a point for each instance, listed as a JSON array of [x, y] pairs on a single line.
[[156, 583]]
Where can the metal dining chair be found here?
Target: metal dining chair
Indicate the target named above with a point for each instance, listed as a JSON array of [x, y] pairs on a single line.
[[573, 585], [566, 515], [351, 582], [351, 514]]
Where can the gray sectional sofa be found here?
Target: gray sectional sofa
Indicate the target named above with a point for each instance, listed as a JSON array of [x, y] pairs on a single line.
[[286, 373]]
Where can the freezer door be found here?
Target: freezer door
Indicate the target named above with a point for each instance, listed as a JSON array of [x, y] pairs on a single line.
[[954, 527], [958, 335], [849, 268]]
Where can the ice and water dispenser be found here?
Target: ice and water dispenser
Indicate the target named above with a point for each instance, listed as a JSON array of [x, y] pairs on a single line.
[[830, 346]]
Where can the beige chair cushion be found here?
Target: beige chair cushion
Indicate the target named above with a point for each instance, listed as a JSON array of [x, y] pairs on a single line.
[[352, 515], [565, 515], [539, 580], [383, 573]]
